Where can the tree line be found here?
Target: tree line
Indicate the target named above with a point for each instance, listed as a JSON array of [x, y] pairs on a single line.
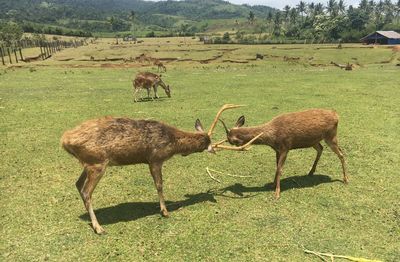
[[330, 22]]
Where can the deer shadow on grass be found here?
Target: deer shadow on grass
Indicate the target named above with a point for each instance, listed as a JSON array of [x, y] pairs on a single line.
[[286, 184], [135, 210], [149, 99]]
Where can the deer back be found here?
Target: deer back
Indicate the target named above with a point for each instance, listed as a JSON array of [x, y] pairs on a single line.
[[290, 130], [123, 141], [304, 129]]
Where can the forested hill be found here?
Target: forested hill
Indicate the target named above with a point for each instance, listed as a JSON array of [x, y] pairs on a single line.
[[51, 11]]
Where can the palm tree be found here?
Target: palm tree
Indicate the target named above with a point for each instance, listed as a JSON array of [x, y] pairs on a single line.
[[286, 11], [319, 9], [332, 8], [378, 13], [341, 6], [131, 17], [293, 15], [302, 8], [277, 24], [270, 16], [311, 7], [251, 17], [398, 10], [388, 8]]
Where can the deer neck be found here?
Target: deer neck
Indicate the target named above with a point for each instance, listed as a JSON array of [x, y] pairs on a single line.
[[187, 142], [161, 83], [267, 138]]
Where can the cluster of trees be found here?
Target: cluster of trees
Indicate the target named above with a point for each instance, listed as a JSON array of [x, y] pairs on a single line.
[[10, 33], [116, 16], [335, 21], [52, 30], [313, 21]]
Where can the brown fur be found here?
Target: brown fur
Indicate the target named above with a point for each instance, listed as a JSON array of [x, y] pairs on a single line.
[[147, 80], [291, 131], [160, 65], [111, 141]]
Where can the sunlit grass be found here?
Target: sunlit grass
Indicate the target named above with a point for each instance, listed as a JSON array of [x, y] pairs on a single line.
[[42, 215]]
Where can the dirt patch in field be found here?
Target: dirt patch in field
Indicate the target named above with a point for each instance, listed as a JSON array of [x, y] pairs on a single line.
[[396, 48], [101, 60], [107, 65], [318, 65], [235, 61]]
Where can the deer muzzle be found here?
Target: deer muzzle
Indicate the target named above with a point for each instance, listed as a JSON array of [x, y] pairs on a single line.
[[210, 149]]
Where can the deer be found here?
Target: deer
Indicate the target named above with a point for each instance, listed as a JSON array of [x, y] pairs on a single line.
[[289, 131], [160, 65], [148, 80], [118, 141]]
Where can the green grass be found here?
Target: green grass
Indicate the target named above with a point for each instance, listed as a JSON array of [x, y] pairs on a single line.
[[42, 215]]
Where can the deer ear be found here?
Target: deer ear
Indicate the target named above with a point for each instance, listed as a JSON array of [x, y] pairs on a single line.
[[240, 121], [198, 126]]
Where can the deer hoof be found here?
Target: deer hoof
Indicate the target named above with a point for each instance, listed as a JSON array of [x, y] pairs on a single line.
[[164, 213], [277, 196], [99, 230]]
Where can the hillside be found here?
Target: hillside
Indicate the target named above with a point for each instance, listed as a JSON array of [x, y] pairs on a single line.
[[122, 15]]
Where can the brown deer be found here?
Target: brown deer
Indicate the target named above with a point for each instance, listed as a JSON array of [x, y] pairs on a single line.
[[291, 131], [143, 58], [160, 65], [112, 141], [147, 80]]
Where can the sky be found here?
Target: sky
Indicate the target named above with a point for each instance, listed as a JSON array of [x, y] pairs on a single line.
[[281, 3]]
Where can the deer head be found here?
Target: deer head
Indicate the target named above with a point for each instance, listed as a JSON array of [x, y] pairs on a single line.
[[234, 136], [164, 86]]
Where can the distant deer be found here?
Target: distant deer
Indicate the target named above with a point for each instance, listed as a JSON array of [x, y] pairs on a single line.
[[147, 80], [291, 131], [144, 58], [112, 141], [160, 65]]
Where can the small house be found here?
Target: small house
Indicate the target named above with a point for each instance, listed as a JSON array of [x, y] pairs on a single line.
[[129, 38], [382, 38]]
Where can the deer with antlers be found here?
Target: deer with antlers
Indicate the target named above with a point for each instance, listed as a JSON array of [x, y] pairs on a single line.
[[112, 141], [147, 80], [290, 131]]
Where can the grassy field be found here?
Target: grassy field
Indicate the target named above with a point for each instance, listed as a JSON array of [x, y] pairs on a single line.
[[42, 215]]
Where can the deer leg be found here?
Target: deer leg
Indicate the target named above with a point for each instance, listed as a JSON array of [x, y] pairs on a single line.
[[86, 184], [135, 94], [155, 170], [333, 144], [277, 161], [319, 149], [148, 93], [155, 91], [81, 181], [279, 167]]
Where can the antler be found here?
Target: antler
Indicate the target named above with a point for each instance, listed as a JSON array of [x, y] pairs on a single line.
[[223, 108], [238, 148]]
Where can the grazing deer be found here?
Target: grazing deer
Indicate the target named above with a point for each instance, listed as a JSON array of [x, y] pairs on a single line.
[[144, 58], [160, 65], [111, 141], [148, 80], [291, 131]]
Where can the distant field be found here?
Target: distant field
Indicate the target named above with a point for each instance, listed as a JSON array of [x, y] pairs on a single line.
[[42, 215]]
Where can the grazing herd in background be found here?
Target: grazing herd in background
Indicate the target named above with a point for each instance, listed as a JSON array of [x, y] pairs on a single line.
[[112, 141]]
